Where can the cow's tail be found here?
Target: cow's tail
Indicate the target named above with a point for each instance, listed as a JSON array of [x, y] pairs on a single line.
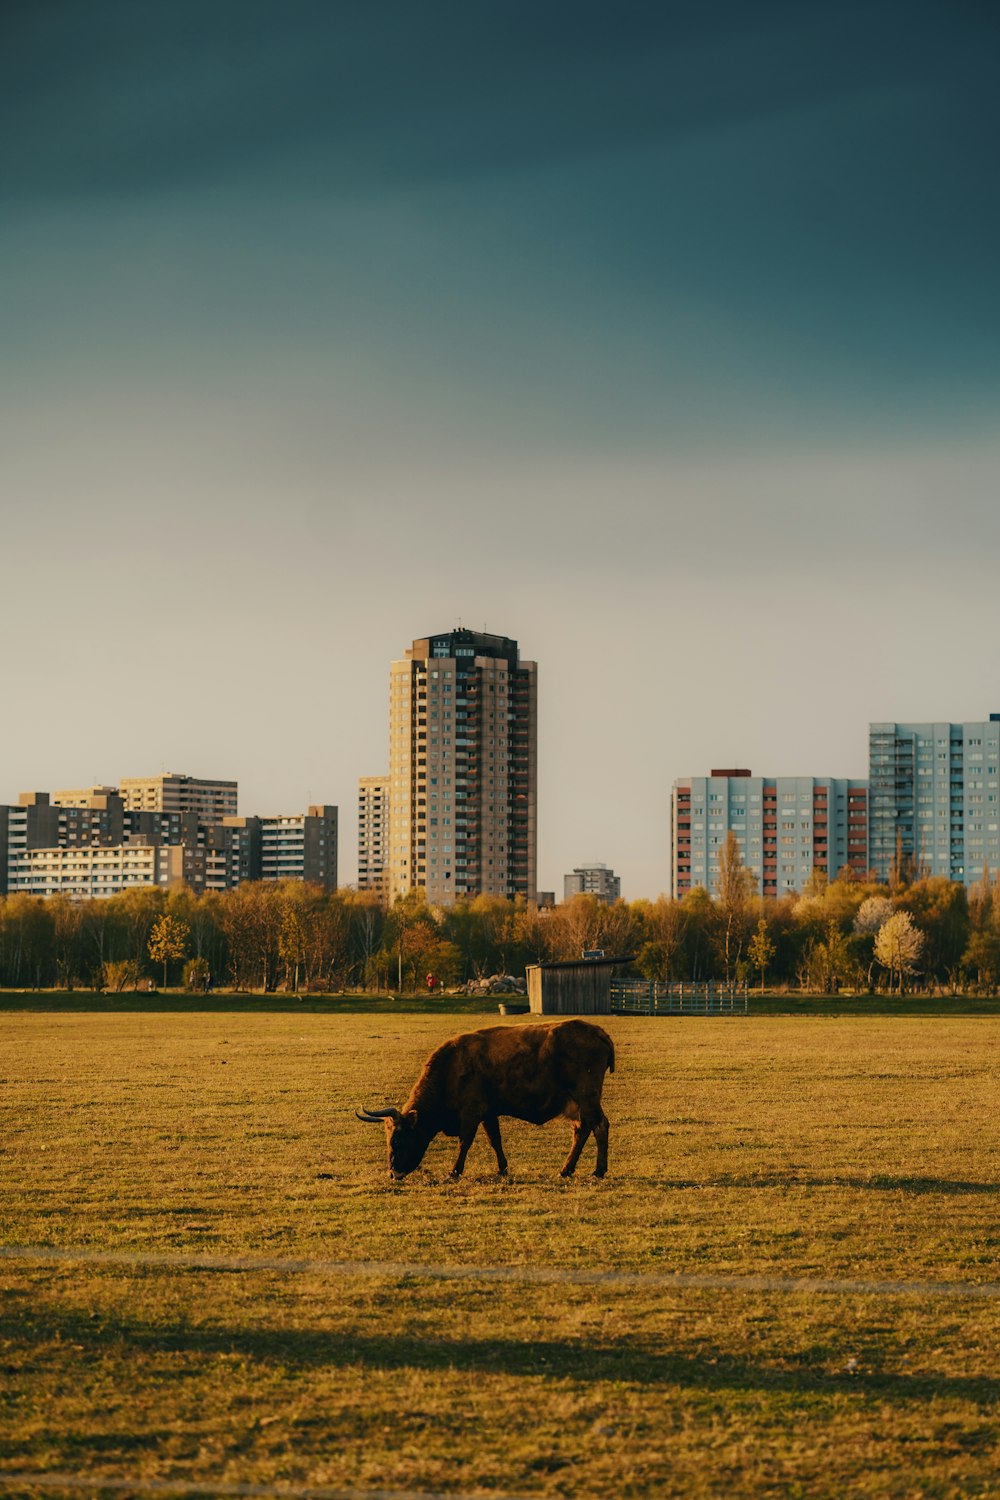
[[611, 1053]]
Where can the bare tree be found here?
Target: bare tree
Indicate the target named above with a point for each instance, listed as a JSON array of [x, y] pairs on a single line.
[[734, 899]]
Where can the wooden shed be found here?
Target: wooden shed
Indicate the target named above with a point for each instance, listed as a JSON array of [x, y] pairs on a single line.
[[576, 987]]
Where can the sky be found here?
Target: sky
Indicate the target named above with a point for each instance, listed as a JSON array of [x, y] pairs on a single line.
[[662, 338]]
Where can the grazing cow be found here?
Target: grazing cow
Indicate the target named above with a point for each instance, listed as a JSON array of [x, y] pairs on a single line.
[[530, 1073]]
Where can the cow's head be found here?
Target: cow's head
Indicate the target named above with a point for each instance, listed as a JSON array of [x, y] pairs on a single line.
[[405, 1141]]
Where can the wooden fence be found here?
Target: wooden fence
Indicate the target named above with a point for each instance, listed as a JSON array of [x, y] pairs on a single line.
[[647, 997]]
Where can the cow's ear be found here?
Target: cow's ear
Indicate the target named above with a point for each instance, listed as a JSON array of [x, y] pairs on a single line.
[[410, 1117]]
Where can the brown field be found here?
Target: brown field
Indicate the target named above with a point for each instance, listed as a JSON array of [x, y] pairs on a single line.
[[861, 1152]]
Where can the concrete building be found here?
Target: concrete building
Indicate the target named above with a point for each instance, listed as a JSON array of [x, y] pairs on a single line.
[[300, 846], [96, 870], [232, 853], [373, 833], [935, 798], [786, 827], [593, 880], [82, 796], [41, 836], [173, 793], [463, 768], [32, 824], [80, 842]]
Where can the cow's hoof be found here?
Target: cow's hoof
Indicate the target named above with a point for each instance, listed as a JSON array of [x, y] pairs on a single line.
[[601, 1173]]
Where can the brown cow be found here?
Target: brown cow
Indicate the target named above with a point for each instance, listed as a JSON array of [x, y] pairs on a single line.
[[530, 1073]]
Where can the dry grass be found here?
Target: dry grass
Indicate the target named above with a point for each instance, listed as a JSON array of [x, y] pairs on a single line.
[[863, 1149]]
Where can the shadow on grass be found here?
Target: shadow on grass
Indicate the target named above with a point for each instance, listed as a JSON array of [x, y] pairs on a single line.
[[844, 1007], [834, 1007], [622, 1360], [879, 1183], [85, 1002]]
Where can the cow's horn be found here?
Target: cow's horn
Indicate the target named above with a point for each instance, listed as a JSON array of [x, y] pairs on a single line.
[[374, 1115]]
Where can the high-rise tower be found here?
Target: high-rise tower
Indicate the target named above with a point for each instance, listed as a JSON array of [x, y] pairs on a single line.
[[462, 768]]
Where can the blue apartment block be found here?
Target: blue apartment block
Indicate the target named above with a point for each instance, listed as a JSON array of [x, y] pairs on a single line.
[[788, 828], [934, 802]]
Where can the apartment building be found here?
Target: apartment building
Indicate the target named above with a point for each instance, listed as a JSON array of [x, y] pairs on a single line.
[[232, 852], [593, 880], [463, 768], [373, 833], [33, 823], [786, 827], [82, 796], [96, 870], [300, 846], [88, 842], [172, 793], [935, 798]]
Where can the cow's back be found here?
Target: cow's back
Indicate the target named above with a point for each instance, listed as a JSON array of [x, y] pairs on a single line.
[[529, 1072]]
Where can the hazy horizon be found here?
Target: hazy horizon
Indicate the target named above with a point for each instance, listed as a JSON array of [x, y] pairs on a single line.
[[664, 343]]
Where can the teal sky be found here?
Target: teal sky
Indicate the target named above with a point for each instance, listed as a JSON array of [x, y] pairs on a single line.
[[664, 339]]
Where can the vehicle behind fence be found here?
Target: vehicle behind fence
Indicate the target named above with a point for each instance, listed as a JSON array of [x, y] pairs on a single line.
[[648, 997]]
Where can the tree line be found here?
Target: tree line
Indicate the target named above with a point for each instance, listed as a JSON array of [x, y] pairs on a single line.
[[267, 936]]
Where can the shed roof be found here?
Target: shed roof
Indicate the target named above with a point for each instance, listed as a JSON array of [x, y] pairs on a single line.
[[583, 963]]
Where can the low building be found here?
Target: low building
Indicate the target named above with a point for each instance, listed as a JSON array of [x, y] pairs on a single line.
[[573, 987], [86, 872], [593, 880]]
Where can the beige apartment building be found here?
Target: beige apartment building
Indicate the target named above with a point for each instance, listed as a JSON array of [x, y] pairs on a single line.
[[172, 793], [82, 796], [373, 833], [463, 768], [95, 870]]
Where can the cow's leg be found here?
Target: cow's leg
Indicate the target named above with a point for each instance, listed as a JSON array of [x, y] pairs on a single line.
[[581, 1130], [492, 1127], [467, 1135], [601, 1137]]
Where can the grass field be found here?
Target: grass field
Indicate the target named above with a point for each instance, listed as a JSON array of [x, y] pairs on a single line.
[[862, 1152]]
